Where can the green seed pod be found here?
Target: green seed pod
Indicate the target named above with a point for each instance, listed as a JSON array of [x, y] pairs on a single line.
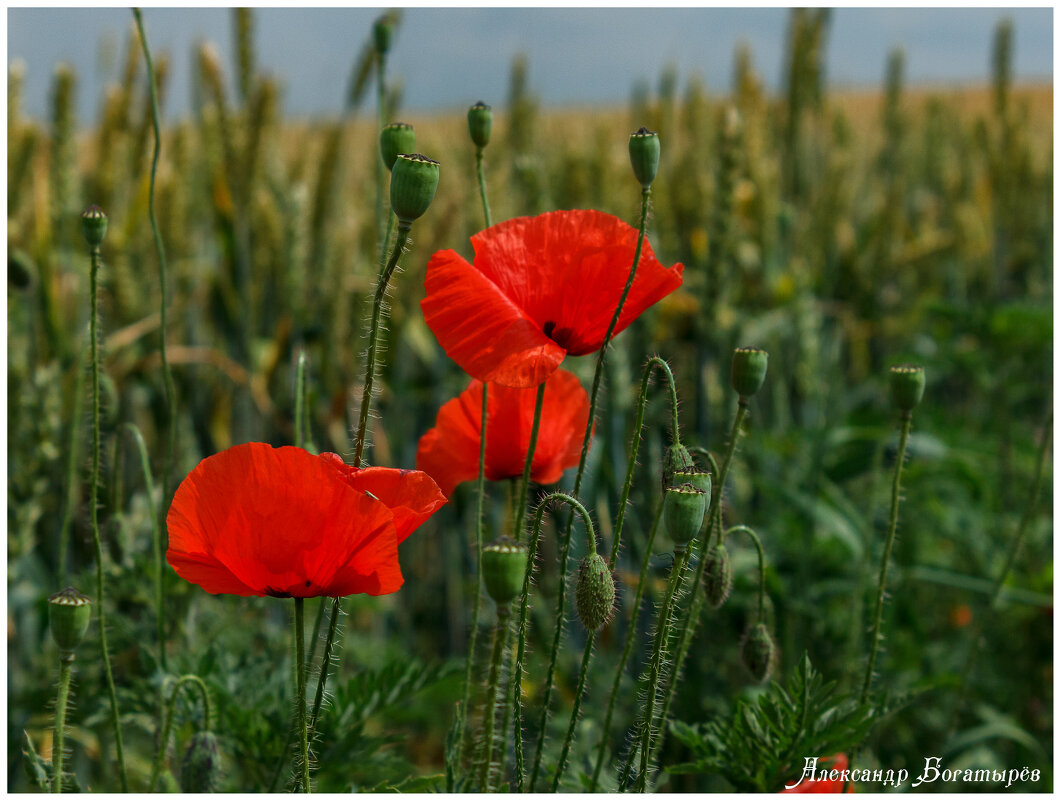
[[676, 459], [94, 225], [382, 32], [718, 576], [700, 480], [201, 766], [683, 512], [480, 123], [748, 370], [907, 386], [504, 565], [398, 137], [69, 613], [757, 652], [644, 155], [594, 592], [414, 179]]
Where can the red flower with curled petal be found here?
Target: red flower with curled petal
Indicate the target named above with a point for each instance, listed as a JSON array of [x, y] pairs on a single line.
[[540, 288], [258, 520], [836, 763]]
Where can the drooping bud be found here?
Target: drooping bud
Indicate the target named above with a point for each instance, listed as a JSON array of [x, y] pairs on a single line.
[[94, 225], [382, 31], [683, 512], [480, 123], [748, 370], [644, 155], [69, 613], [907, 386], [414, 179], [594, 592], [201, 766], [398, 137], [676, 459], [700, 480], [757, 652], [504, 565], [718, 576]]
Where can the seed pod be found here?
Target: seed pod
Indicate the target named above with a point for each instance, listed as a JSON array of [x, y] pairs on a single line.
[[757, 652], [700, 480], [683, 512], [398, 137], [414, 179], [594, 592], [907, 386], [480, 123], [644, 155], [69, 613], [504, 565], [94, 225], [676, 459], [201, 766], [748, 370], [718, 576]]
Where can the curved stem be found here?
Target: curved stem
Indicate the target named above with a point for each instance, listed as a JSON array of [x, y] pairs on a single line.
[[521, 506], [66, 662], [762, 564], [490, 702], [300, 692], [482, 185], [167, 723]]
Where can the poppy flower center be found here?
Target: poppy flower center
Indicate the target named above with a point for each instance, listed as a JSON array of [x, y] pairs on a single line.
[[558, 335]]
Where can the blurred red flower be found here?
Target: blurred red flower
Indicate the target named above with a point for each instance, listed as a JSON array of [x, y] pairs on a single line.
[[540, 288], [837, 763], [449, 452], [258, 520]]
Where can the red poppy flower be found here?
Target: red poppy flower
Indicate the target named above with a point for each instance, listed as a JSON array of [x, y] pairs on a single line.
[[836, 763], [449, 452], [258, 520], [541, 287]]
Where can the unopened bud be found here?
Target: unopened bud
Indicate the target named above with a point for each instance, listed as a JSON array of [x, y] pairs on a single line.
[[748, 370], [683, 513], [907, 386], [757, 652], [201, 766], [480, 123], [718, 576], [69, 613], [504, 566], [414, 180], [644, 155], [398, 137], [594, 592], [94, 225]]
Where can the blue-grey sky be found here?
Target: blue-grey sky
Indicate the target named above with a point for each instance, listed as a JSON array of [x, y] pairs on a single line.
[[449, 58]]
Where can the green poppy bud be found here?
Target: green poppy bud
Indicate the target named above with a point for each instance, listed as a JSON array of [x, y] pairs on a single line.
[[94, 225], [757, 652], [644, 155], [480, 122], [594, 592], [504, 566], [414, 179], [700, 480], [748, 370], [69, 613], [398, 137], [382, 32], [683, 513], [676, 459], [718, 576], [907, 386], [201, 766]]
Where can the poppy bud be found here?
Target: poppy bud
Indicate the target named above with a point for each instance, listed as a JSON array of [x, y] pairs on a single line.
[[907, 386], [699, 480], [398, 137], [414, 179], [748, 370], [644, 155], [69, 613], [94, 225], [504, 565], [480, 122], [201, 766], [683, 512], [676, 459], [757, 652], [382, 31], [718, 576], [594, 592]]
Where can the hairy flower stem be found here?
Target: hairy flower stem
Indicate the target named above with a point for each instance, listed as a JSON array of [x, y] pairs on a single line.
[[300, 692], [565, 541], [524, 485], [517, 678], [504, 612], [72, 466], [482, 185], [66, 663], [167, 724], [882, 581], [93, 335]]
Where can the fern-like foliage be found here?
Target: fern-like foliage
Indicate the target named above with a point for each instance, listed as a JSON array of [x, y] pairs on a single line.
[[765, 743]]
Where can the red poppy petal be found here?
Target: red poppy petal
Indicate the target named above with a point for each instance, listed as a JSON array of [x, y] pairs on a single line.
[[566, 270], [565, 411], [208, 573], [412, 496], [372, 570], [481, 329], [280, 520], [449, 452]]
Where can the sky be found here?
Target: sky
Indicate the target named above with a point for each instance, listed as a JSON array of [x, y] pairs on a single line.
[[449, 58]]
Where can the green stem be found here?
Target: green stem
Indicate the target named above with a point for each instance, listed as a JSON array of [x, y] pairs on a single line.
[[373, 340], [521, 506], [882, 581], [587, 654], [66, 662], [762, 564], [482, 185], [565, 542], [72, 465], [326, 661], [93, 335], [300, 407], [167, 722], [300, 692], [490, 702], [381, 120]]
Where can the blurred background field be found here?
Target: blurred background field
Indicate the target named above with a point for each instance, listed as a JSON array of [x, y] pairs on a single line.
[[843, 231]]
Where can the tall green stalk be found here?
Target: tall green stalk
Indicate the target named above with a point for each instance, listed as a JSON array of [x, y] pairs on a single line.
[[167, 724], [66, 663], [490, 701]]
